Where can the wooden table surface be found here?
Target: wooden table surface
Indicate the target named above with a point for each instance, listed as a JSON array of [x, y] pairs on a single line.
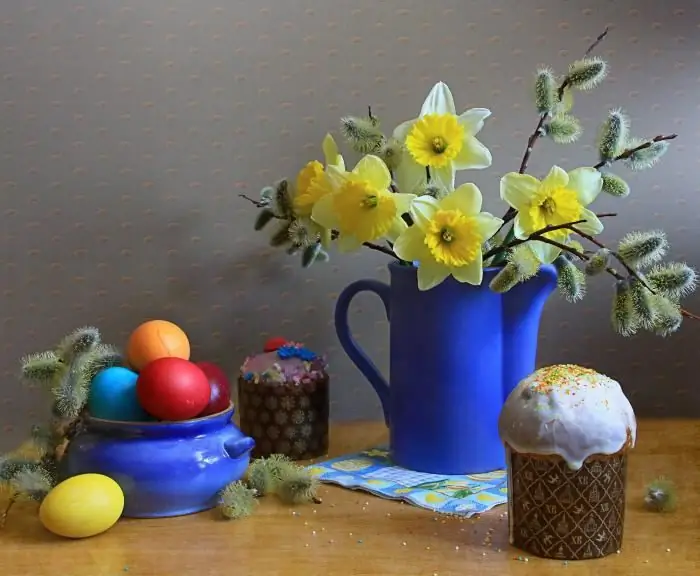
[[356, 534]]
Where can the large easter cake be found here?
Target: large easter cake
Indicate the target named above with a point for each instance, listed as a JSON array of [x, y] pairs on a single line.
[[567, 431]]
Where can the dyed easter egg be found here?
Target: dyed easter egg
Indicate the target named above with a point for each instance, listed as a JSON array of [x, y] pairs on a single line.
[[220, 396], [113, 396], [173, 389], [156, 339], [82, 506]]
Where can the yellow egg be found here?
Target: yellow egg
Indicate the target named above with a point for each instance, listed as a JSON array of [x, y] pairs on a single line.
[[82, 506]]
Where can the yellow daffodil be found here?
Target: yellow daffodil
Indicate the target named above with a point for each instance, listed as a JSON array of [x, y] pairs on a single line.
[[360, 206], [558, 199], [312, 184], [447, 237], [441, 142]]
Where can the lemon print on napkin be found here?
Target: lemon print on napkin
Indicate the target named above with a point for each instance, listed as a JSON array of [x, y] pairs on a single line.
[[352, 465]]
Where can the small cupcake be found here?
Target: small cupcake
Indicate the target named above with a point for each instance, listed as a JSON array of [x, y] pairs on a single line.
[[567, 431], [283, 401]]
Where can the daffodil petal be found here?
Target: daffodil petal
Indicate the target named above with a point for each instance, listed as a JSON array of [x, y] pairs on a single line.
[[439, 101], [556, 178], [403, 202], [410, 176], [348, 243], [323, 212], [398, 227], [430, 274], [592, 225], [518, 189], [336, 175], [472, 273], [410, 245], [467, 199], [521, 227], [445, 176], [473, 119], [422, 210], [402, 130], [372, 169], [545, 253], [587, 183], [488, 224], [473, 155], [330, 150]]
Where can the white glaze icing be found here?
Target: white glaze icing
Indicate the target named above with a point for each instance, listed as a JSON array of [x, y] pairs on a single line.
[[569, 411]]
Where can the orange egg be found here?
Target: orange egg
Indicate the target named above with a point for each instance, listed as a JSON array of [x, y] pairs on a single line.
[[156, 339]]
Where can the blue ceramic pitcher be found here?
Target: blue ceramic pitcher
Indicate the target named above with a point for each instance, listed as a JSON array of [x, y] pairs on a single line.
[[456, 352], [164, 468]]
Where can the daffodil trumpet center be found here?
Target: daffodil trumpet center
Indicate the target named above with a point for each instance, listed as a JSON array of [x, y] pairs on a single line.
[[363, 211], [553, 207], [453, 238], [435, 140]]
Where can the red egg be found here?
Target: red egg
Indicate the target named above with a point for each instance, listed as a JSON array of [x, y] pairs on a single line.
[[173, 389], [220, 396], [274, 343]]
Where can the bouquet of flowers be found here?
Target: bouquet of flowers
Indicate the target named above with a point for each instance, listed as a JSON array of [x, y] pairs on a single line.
[[401, 199]]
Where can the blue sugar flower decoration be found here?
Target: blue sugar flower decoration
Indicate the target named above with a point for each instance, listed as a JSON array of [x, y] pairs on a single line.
[[300, 352], [248, 376], [306, 354], [285, 352]]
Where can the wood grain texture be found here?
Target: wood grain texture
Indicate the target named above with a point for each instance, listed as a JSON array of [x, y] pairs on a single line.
[[356, 534]]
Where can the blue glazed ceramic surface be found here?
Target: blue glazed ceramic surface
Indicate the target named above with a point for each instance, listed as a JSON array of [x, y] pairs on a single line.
[[456, 352], [164, 468]]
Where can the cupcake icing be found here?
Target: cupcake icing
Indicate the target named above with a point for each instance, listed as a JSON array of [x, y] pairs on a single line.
[[570, 411], [290, 363]]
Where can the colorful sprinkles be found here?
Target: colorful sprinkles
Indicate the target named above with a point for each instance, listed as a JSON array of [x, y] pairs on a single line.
[[567, 378], [285, 362]]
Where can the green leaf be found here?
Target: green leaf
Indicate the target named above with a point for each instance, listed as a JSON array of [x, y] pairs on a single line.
[[309, 255], [263, 218]]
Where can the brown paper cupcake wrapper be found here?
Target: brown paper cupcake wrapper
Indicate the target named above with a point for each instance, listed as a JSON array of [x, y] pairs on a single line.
[[559, 513], [290, 419]]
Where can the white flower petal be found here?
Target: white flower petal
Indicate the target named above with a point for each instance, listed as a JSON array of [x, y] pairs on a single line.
[[472, 273], [422, 210], [592, 225], [556, 178], [518, 189], [410, 176], [323, 212], [488, 224], [430, 274], [520, 231], [410, 245], [403, 202], [402, 130], [473, 119], [467, 199], [439, 101], [330, 150], [373, 169], [445, 176], [545, 253], [473, 155], [587, 183]]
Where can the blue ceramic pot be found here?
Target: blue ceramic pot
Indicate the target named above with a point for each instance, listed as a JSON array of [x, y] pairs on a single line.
[[164, 468], [456, 352]]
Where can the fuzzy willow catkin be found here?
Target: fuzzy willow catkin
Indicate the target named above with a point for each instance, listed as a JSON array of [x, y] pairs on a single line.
[[645, 158], [644, 304], [668, 316], [587, 73], [564, 129], [598, 262], [545, 91], [362, 134], [640, 249], [672, 279], [613, 135], [571, 281], [507, 277], [615, 186], [623, 317], [264, 217], [237, 501]]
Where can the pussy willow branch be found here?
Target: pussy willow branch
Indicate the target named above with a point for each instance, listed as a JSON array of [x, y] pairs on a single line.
[[631, 151], [538, 132], [370, 245], [536, 235]]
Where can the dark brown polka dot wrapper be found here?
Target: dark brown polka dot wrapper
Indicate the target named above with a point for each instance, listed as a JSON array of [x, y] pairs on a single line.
[[290, 419], [559, 513]]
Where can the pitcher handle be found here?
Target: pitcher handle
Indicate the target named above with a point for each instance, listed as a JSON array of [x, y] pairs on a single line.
[[352, 349]]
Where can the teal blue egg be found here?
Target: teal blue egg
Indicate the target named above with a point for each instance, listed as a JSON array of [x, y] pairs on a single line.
[[113, 396]]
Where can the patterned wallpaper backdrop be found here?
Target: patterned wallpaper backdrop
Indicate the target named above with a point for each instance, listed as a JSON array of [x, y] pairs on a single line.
[[129, 129]]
